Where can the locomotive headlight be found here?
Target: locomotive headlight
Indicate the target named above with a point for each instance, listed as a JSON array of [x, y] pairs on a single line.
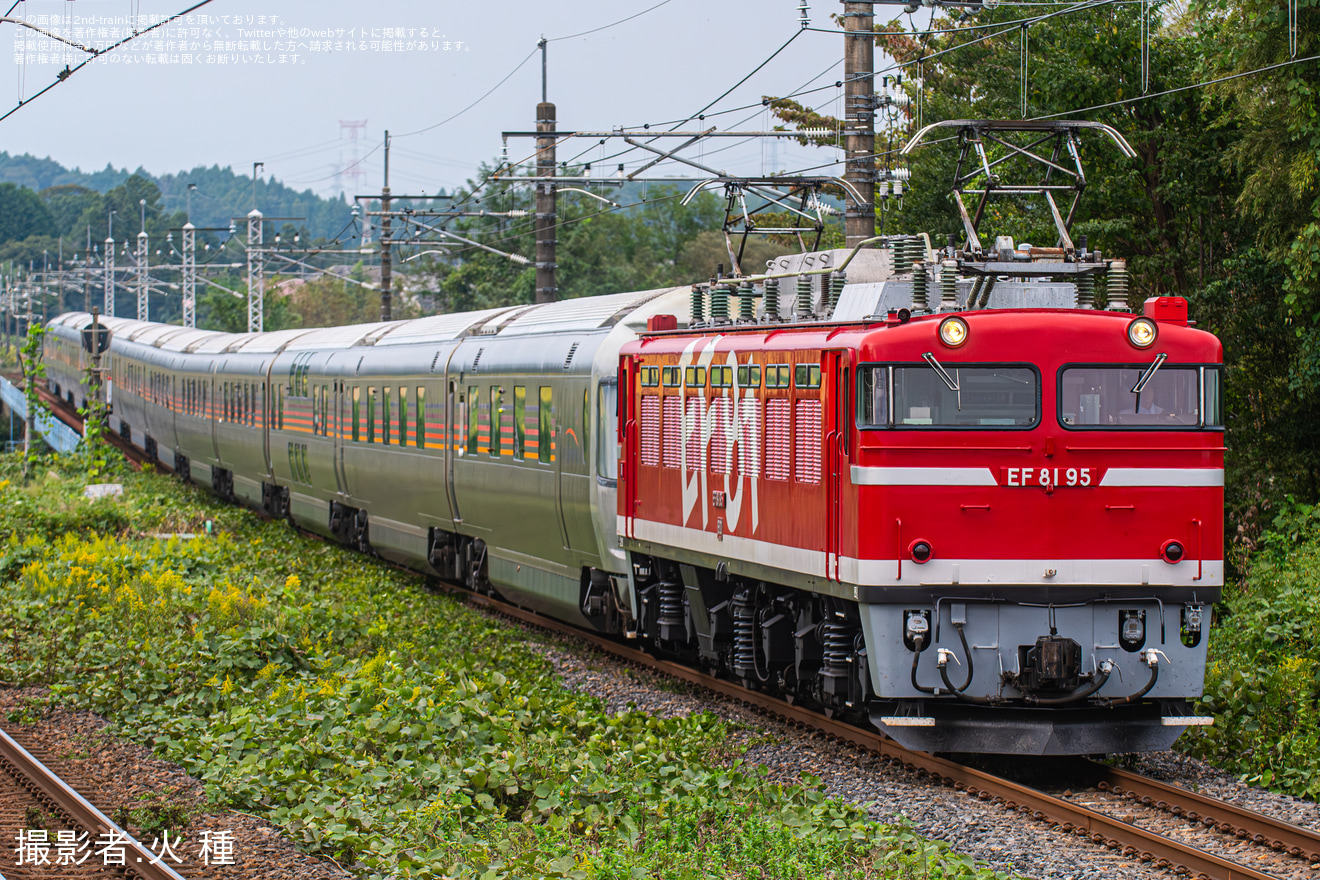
[[1172, 551], [1142, 332], [920, 551], [953, 331]]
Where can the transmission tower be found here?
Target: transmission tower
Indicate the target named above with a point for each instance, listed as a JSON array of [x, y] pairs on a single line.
[[350, 169]]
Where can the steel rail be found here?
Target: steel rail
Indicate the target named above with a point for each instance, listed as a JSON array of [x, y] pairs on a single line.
[[66, 414], [46, 785], [1098, 827], [1228, 818]]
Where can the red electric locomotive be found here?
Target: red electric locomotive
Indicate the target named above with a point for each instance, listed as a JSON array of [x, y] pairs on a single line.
[[986, 531]]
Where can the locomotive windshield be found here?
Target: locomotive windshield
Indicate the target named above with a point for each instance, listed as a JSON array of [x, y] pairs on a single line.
[[981, 396], [1100, 397]]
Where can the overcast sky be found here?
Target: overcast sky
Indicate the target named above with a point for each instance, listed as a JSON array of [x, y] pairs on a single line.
[[659, 67]]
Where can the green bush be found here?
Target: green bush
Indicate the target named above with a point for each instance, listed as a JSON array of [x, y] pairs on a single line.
[[1263, 681], [399, 731]]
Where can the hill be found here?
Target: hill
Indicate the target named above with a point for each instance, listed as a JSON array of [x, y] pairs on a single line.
[[221, 194]]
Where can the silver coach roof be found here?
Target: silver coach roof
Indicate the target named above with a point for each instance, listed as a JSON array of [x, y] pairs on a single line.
[[328, 338], [440, 327], [267, 343], [585, 313], [184, 341]]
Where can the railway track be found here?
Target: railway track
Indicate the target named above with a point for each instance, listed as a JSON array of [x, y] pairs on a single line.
[[1299, 844], [70, 417], [37, 786], [1099, 827]]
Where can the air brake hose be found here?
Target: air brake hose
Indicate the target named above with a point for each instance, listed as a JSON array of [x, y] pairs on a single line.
[[916, 658], [959, 692], [1102, 676], [1132, 698]]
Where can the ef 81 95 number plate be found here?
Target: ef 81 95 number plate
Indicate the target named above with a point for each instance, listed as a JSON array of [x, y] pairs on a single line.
[[1046, 477]]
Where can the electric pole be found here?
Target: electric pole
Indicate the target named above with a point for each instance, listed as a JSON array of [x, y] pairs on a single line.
[[143, 307], [190, 266], [386, 265], [189, 274], [859, 119], [546, 219], [109, 277], [256, 272]]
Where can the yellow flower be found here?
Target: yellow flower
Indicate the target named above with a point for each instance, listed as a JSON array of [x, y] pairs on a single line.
[[293, 581]]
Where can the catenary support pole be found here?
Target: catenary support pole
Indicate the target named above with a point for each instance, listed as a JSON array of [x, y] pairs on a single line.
[[256, 273], [546, 217], [859, 121], [386, 256]]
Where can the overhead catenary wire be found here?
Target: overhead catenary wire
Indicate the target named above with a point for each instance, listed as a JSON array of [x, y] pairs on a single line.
[[1117, 103], [67, 72], [486, 95], [611, 24]]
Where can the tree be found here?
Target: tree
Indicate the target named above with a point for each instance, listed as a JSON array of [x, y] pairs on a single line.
[[1279, 151], [23, 214], [68, 203], [1167, 211]]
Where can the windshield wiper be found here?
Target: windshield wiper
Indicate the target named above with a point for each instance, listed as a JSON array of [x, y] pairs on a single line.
[[940, 371], [1150, 373]]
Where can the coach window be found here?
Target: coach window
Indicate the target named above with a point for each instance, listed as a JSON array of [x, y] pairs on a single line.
[[607, 438], [401, 434], [671, 376], [357, 413], [473, 420], [386, 415], [586, 429], [695, 377], [371, 415], [496, 421], [420, 409], [519, 422], [545, 426], [325, 410]]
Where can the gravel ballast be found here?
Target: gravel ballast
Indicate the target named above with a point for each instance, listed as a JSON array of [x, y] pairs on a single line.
[[1003, 840]]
